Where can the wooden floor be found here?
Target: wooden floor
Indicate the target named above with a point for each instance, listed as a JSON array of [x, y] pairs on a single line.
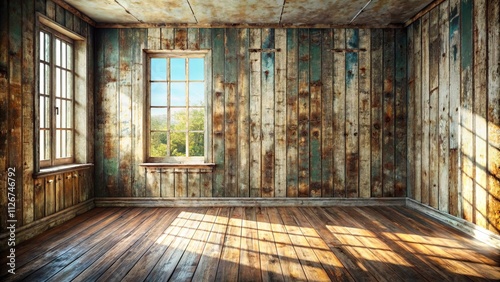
[[253, 244]]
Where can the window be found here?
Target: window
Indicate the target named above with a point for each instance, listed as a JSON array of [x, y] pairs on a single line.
[[177, 107], [56, 98]]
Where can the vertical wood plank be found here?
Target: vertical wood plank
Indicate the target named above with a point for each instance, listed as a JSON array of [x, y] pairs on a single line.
[[389, 114], [76, 187], [444, 103], [84, 185], [401, 102], [60, 15], [417, 117], [180, 38], [167, 39], [139, 38], [454, 86], [280, 114], [304, 112], [193, 183], [434, 55], [327, 120], [243, 114], [425, 111], [154, 36], [352, 112], [180, 182], [315, 116], [50, 195], [59, 194], [206, 184], [376, 112], [68, 190], [50, 9], [4, 106], [466, 110], [218, 111], [15, 100], [206, 43], [153, 182], [292, 113], [193, 35], [99, 117], [39, 195], [364, 112], [480, 113], [28, 89], [69, 21], [493, 115], [267, 113], [230, 113], [125, 112], [411, 154], [167, 183], [255, 113]]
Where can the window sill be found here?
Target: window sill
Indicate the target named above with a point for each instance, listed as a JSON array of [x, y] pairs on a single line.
[[60, 169], [180, 165]]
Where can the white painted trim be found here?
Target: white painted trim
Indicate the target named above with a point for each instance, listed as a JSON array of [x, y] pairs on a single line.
[[460, 224]]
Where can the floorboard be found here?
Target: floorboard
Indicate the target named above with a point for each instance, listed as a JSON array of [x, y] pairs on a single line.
[[254, 244]]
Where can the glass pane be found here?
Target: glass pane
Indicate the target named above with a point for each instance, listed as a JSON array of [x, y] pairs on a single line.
[[69, 56], [62, 113], [177, 69], [159, 94], [63, 54], [69, 144], [69, 114], [48, 141], [196, 69], [196, 119], [47, 48], [158, 69], [47, 112], [196, 144], [178, 120], [42, 145], [58, 82], [58, 52], [47, 80], [64, 89], [177, 94], [41, 81], [42, 111], [42, 44], [63, 144], [196, 93], [58, 143], [158, 119], [178, 144], [158, 145], [69, 85]]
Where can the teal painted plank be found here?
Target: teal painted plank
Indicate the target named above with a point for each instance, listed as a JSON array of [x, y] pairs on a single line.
[[401, 143], [243, 114], [267, 78], [315, 116], [339, 109], [389, 114], [218, 111], [99, 115], [60, 15], [292, 113], [230, 113], [352, 110], [411, 112], [327, 113], [304, 112]]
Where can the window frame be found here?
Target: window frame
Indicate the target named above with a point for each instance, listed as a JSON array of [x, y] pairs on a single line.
[[54, 161], [184, 54]]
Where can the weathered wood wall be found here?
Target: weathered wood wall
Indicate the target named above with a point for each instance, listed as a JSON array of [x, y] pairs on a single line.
[[454, 110], [323, 116], [35, 198]]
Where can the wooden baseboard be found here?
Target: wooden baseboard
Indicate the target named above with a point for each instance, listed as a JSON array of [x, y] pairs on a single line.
[[467, 227], [245, 202], [30, 230]]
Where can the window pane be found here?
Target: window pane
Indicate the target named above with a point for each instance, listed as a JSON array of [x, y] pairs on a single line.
[[196, 119], [43, 149], [62, 113], [63, 143], [58, 82], [178, 120], [42, 112], [41, 79], [196, 69], [69, 85], [42, 45], [196, 144], [177, 69], [196, 94], [177, 94], [158, 69], [69, 114], [47, 112], [64, 89], [58, 113], [159, 94], [64, 58], [47, 79], [58, 143], [158, 146], [158, 119], [58, 52], [47, 48], [69, 56], [178, 144]]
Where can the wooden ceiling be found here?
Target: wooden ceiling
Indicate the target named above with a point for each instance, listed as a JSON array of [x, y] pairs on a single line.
[[288, 13]]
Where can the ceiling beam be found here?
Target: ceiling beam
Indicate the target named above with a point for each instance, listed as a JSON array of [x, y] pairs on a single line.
[[231, 25], [424, 11]]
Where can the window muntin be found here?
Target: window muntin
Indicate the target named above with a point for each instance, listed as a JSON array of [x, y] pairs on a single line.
[[177, 113], [56, 99]]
